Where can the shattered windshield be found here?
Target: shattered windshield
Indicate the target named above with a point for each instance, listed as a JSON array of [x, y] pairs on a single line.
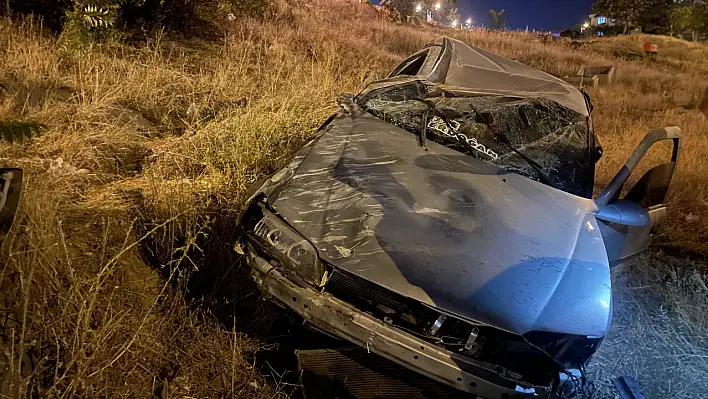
[[554, 138]]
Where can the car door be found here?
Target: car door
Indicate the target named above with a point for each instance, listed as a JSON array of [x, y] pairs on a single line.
[[626, 238]]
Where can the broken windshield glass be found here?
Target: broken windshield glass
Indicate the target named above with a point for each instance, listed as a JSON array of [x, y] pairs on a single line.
[[555, 138]]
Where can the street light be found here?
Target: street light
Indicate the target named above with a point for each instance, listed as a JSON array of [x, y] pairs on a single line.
[[454, 24], [468, 22], [586, 25], [437, 6], [418, 8]]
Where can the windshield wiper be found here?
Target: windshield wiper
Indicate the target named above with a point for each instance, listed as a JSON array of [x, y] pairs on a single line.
[[503, 140], [446, 118], [423, 133]]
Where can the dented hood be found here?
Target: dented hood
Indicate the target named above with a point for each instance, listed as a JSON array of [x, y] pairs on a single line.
[[447, 229]]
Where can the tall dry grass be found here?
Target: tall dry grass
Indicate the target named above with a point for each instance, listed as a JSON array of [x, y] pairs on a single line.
[[145, 154]]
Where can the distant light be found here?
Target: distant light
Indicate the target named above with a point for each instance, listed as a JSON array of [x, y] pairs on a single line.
[[454, 24], [586, 25], [437, 6], [418, 8], [469, 21]]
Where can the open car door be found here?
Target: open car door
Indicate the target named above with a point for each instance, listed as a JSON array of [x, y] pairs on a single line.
[[10, 187], [628, 224]]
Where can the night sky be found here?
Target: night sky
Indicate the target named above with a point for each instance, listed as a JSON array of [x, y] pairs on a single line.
[[537, 14]]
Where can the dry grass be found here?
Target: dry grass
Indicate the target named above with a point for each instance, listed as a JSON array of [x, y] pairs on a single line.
[[145, 154], [658, 332]]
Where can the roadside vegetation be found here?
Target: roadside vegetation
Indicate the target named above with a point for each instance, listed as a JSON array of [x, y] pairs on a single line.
[[118, 276]]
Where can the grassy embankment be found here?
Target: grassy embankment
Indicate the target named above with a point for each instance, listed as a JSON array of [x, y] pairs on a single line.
[[144, 153]]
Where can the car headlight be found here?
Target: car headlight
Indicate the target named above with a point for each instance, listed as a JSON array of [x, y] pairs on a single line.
[[289, 247]]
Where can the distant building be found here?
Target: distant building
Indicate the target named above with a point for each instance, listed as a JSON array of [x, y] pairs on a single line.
[[599, 20], [569, 33]]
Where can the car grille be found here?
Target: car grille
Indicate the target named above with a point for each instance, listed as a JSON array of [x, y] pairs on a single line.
[[369, 296], [517, 358]]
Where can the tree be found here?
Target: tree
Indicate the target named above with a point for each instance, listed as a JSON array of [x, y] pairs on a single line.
[[498, 22], [405, 10], [452, 15], [654, 17], [680, 18], [699, 20], [651, 15], [688, 16], [445, 14], [624, 11], [399, 10]]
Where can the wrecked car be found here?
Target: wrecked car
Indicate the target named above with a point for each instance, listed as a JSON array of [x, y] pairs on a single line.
[[444, 220]]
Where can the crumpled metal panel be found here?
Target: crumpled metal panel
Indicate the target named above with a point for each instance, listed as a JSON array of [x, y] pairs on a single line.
[[460, 67], [478, 70], [449, 230]]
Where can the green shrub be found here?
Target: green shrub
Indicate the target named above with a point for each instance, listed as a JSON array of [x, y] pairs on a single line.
[[91, 19]]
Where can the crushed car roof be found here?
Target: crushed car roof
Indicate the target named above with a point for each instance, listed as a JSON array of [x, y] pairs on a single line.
[[457, 66]]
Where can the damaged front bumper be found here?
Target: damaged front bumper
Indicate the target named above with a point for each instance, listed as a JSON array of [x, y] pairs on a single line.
[[345, 321]]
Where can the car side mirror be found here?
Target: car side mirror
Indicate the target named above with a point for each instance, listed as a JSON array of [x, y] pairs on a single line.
[[623, 212], [611, 193], [629, 223], [10, 187]]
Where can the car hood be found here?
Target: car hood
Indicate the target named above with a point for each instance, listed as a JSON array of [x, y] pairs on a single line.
[[447, 229]]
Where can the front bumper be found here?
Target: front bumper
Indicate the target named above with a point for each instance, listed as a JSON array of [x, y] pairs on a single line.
[[343, 320]]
